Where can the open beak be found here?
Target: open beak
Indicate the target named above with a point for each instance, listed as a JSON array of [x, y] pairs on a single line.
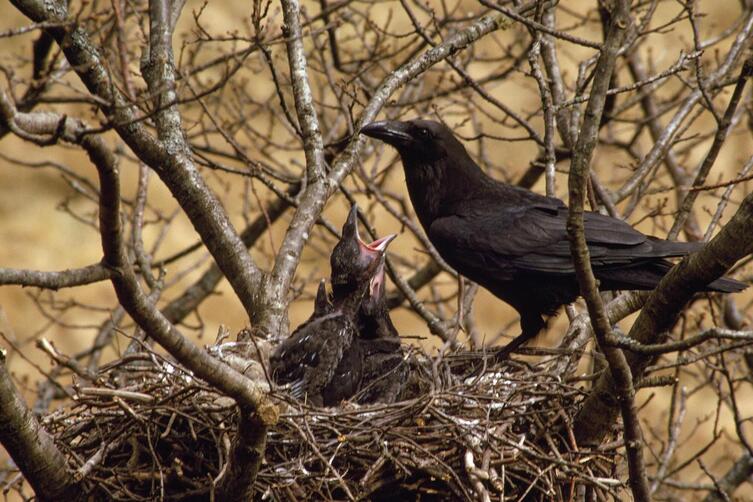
[[377, 284], [381, 244], [369, 251], [372, 252], [392, 132], [374, 249]]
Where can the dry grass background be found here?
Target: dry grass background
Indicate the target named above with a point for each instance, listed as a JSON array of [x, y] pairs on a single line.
[[36, 233]]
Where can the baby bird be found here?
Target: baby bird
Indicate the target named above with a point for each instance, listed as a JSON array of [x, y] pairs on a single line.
[[384, 369], [318, 360]]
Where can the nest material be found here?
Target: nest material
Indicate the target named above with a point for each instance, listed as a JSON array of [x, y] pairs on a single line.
[[149, 430]]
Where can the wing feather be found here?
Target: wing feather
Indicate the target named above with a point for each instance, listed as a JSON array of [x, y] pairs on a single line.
[[534, 238]]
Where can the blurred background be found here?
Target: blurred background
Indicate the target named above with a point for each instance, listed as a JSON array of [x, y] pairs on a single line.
[[48, 217]]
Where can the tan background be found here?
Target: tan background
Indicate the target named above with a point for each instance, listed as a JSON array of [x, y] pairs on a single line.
[[35, 233]]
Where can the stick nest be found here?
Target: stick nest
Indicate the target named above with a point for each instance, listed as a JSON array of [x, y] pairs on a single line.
[[148, 430]]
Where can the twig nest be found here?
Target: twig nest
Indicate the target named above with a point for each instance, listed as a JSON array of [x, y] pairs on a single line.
[[458, 434]]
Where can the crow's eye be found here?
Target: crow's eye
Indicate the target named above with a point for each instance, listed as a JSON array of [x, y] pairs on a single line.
[[424, 133]]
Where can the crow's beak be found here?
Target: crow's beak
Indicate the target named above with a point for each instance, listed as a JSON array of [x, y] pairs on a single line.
[[351, 222], [374, 250], [381, 244], [376, 284], [350, 227], [392, 132], [321, 303], [376, 288], [369, 251]]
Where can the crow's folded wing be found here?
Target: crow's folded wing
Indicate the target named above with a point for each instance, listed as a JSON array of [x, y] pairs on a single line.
[[506, 239], [313, 351]]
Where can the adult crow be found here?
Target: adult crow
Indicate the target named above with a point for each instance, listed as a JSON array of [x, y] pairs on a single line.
[[512, 241]]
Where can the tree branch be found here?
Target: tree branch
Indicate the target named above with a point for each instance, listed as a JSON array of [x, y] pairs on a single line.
[[122, 275], [721, 134], [169, 155], [32, 449], [313, 147], [180, 307], [660, 312], [579, 169], [734, 477], [244, 460], [54, 280], [663, 144]]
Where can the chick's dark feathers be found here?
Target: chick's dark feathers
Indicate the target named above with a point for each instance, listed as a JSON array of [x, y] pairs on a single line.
[[323, 359]]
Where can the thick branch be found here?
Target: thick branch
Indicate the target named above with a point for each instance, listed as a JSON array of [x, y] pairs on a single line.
[[246, 455], [31, 447], [217, 373], [126, 284], [690, 276], [313, 146], [664, 305], [579, 169], [169, 156], [180, 307], [626, 343]]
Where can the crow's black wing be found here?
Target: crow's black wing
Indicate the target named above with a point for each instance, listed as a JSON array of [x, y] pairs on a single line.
[[347, 376], [503, 239], [310, 356]]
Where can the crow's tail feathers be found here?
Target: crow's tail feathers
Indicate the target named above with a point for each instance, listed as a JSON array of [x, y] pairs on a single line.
[[726, 285], [647, 276], [672, 248]]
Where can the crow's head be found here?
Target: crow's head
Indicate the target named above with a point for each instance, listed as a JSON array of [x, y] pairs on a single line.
[[353, 261], [437, 165], [423, 140]]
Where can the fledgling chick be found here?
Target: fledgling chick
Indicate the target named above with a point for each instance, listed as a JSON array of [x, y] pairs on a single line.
[[384, 368], [315, 359]]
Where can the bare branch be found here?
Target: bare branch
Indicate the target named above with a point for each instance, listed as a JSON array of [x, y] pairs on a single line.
[[582, 153], [304, 101], [691, 275], [734, 477], [721, 134], [316, 195], [54, 280], [169, 156], [123, 277], [33, 450]]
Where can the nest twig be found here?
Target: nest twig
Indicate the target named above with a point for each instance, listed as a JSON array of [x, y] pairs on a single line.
[[149, 430]]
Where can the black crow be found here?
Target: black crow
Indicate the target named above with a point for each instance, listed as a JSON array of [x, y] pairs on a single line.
[[384, 368], [377, 343], [374, 320], [317, 359], [512, 241]]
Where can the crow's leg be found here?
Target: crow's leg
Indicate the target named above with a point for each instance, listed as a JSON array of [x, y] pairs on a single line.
[[531, 324]]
